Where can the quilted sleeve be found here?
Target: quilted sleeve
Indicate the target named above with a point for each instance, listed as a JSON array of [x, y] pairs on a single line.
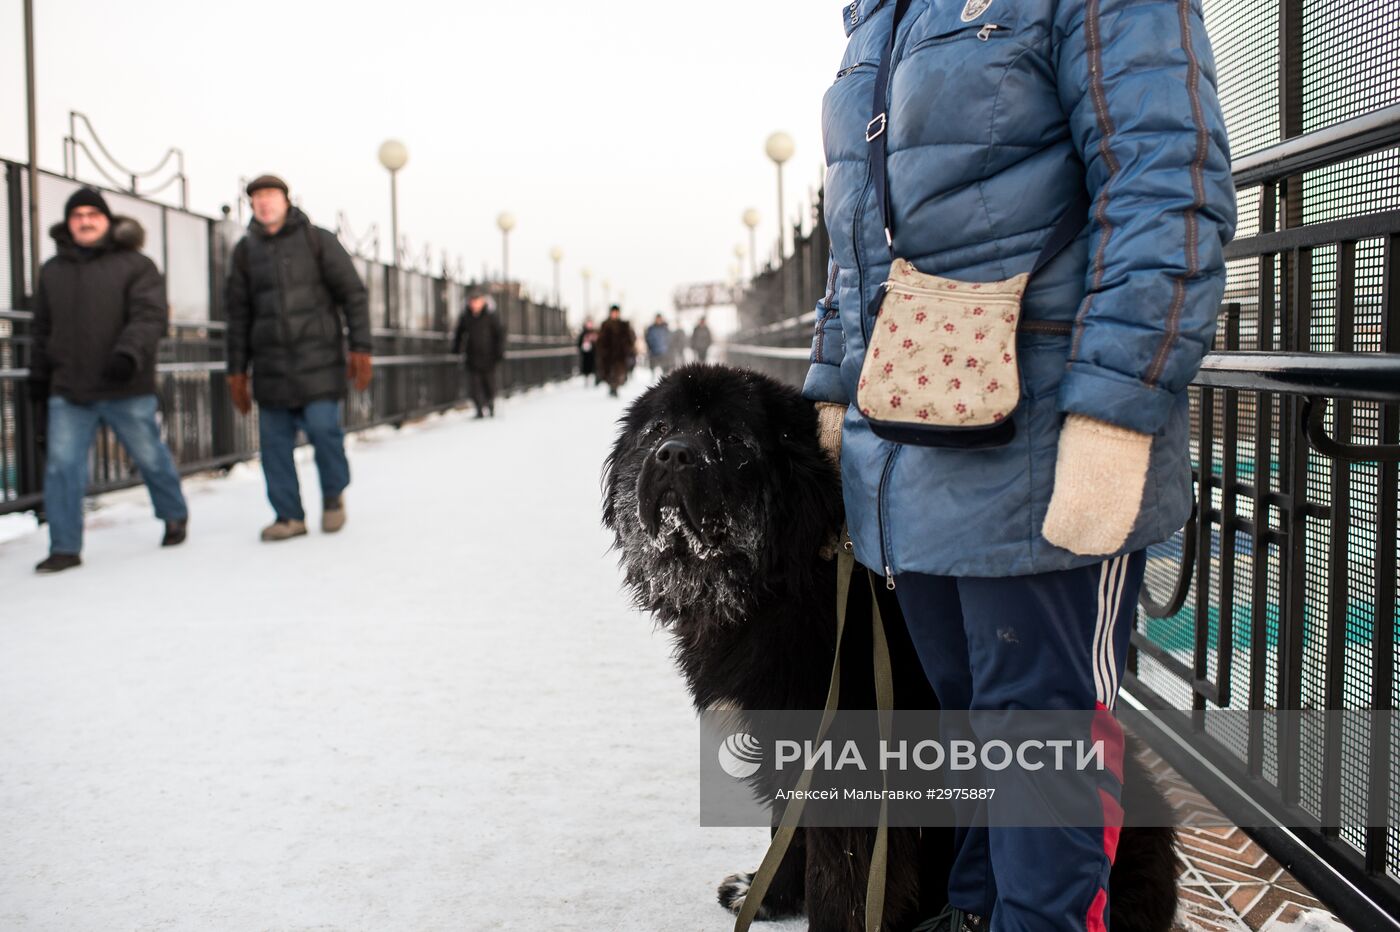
[[1137, 80], [823, 381]]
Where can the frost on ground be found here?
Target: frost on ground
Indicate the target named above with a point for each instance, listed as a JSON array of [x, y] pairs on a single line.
[[446, 717]]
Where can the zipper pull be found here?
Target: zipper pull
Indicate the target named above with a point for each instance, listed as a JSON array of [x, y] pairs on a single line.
[[889, 578], [985, 32]]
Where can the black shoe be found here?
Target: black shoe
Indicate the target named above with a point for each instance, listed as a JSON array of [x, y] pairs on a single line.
[[491, 411], [174, 533], [479, 414], [58, 562]]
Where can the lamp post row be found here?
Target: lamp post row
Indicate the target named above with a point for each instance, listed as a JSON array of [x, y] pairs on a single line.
[[779, 148], [393, 155]]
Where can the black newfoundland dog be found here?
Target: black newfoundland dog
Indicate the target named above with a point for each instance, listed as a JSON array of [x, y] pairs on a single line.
[[725, 510]]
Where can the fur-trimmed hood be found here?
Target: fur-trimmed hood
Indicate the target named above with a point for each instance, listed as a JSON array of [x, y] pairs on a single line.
[[124, 233]]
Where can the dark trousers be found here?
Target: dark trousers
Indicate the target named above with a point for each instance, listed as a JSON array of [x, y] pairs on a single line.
[[1052, 641], [277, 436], [481, 385]]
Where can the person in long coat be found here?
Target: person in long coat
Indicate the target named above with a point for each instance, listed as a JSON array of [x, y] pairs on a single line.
[[617, 347]]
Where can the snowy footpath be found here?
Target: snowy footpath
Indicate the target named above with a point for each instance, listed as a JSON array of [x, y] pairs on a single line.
[[446, 717]]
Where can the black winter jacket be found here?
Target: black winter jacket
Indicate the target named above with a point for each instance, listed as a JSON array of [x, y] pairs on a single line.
[[480, 338], [289, 299], [92, 304]]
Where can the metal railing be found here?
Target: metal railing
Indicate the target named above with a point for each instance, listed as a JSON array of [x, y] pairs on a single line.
[[412, 316], [1280, 592]]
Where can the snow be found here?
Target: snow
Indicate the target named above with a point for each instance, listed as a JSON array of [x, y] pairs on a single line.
[[445, 717]]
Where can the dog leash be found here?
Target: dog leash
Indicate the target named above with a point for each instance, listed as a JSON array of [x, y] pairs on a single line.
[[792, 813]]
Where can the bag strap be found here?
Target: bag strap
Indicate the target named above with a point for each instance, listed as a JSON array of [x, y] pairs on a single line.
[[1074, 218], [876, 131], [792, 813]]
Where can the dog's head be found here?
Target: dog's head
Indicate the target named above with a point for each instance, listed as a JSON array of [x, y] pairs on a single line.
[[717, 491]]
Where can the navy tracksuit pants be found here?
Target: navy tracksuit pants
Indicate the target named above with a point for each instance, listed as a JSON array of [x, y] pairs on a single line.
[[1051, 641]]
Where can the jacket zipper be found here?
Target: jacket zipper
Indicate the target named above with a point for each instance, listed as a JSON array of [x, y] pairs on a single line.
[[880, 516], [986, 32]]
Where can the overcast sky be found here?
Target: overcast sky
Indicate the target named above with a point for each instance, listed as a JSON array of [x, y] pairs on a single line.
[[630, 134]]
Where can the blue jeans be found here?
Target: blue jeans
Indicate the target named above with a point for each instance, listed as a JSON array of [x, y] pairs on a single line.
[[277, 435], [71, 429], [1054, 641]]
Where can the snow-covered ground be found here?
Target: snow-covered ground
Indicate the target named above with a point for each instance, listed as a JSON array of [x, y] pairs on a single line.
[[446, 717]]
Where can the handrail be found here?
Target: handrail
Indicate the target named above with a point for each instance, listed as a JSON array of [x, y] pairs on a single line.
[[1349, 139], [1348, 376]]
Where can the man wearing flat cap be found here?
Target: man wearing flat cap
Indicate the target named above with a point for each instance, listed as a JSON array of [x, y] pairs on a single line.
[[99, 314], [292, 293]]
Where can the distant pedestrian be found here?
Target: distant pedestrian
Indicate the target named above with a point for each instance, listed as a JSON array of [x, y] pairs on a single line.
[[292, 291], [616, 349], [700, 340], [481, 339], [658, 344], [588, 352], [99, 314], [676, 351]]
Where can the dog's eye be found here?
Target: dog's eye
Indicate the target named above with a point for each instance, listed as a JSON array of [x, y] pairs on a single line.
[[658, 427]]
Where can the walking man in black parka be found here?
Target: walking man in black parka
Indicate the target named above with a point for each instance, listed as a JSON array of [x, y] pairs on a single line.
[[100, 312], [292, 293], [481, 339]]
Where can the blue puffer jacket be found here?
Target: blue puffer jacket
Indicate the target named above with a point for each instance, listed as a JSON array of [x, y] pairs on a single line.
[[996, 111]]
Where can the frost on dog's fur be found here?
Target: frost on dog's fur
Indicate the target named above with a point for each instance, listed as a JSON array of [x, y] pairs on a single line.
[[704, 552], [675, 569]]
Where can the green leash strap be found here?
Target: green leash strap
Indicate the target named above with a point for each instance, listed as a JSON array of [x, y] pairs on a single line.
[[787, 826], [792, 813], [884, 702]]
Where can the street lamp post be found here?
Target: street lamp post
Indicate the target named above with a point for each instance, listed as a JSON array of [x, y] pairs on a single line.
[[587, 280], [780, 148], [33, 169], [751, 218], [506, 222], [607, 293], [557, 255], [393, 155], [739, 254]]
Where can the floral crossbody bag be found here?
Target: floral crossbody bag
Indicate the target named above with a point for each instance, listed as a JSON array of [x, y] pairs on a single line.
[[941, 366]]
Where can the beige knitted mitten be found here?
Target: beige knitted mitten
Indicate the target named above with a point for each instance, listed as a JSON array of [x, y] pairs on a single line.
[[1100, 472], [829, 418]]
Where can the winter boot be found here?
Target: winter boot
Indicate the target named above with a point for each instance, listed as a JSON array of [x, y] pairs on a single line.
[[174, 533], [333, 515], [283, 530], [58, 562]]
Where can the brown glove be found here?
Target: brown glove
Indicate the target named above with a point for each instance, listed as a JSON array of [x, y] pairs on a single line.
[[829, 418], [1100, 472], [360, 370], [240, 391]]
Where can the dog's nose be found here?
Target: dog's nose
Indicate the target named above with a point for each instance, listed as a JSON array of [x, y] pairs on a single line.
[[675, 454]]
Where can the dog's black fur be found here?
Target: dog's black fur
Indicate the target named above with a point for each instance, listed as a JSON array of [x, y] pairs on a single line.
[[724, 508]]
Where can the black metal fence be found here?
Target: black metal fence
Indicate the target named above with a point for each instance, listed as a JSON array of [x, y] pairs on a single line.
[[791, 288], [1280, 593], [412, 314]]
